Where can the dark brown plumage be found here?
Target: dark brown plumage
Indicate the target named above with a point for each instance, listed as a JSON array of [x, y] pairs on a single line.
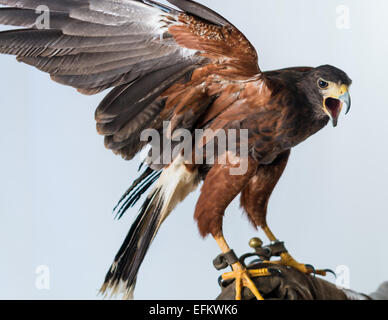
[[193, 69], [255, 195]]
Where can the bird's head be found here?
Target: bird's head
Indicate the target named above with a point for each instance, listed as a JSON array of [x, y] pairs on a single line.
[[327, 89]]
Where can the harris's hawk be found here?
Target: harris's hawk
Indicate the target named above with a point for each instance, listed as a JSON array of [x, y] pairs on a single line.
[[191, 68]]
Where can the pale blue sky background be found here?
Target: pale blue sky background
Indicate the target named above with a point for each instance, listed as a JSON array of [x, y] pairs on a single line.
[[58, 184]]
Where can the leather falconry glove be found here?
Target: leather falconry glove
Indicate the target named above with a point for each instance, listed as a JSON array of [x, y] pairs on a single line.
[[287, 283]]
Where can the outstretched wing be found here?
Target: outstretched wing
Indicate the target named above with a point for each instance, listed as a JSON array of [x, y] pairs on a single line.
[[93, 44], [186, 66]]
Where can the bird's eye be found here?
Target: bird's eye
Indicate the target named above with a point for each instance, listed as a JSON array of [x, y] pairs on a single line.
[[322, 84]]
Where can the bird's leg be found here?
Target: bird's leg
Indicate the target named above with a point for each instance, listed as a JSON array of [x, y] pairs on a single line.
[[287, 260], [240, 274]]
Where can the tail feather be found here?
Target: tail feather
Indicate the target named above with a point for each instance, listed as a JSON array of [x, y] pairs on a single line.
[[121, 277], [135, 191], [172, 186]]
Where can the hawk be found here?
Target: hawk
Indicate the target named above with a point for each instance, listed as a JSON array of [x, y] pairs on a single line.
[[187, 66]]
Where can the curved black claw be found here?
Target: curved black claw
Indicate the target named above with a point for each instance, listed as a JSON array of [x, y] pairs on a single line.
[[332, 272], [220, 281], [309, 266], [314, 272], [256, 261]]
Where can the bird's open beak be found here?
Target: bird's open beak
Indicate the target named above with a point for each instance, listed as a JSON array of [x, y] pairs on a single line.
[[335, 100]]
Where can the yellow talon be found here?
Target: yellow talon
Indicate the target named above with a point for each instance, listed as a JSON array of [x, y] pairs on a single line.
[[251, 273], [287, 260], [240, 274], [243, 277], [259, 273]]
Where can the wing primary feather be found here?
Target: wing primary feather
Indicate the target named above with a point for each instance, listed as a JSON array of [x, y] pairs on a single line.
[[158, 5], [200, 11]]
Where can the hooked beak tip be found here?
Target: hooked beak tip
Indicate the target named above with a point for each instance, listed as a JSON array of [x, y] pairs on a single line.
[[346, 100]]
